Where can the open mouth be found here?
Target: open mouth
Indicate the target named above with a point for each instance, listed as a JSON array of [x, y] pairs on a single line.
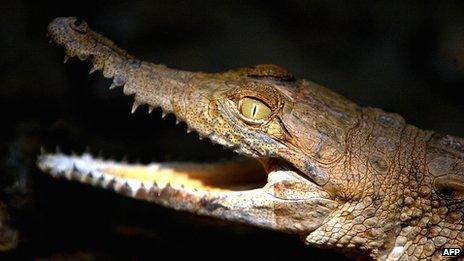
[[270, 194], [237, 175], [226, 176], [240, 190]]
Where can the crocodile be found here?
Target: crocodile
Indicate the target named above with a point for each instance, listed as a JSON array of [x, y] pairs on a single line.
[[347, 178]]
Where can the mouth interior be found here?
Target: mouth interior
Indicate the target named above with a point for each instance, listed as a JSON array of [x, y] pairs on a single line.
[[238, 175]]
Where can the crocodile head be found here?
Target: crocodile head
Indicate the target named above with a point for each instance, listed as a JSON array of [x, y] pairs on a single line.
[[314, 146]]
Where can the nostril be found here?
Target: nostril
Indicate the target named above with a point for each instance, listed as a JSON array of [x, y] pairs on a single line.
[[79, 25], [78, 22]]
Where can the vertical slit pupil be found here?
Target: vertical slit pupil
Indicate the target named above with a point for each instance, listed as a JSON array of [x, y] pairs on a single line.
[[255, 108]]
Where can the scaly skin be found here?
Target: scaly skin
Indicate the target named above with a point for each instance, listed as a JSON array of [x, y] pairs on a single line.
[[357, 180]]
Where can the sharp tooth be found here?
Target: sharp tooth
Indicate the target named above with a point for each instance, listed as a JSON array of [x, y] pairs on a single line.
[[134, 107], [150, 109], [65, 59], [189, 130], [112, 86], [92, 70], [163, 114], [177, 121], [134, 185]]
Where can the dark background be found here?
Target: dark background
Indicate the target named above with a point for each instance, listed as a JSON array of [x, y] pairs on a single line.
[[403, 57]]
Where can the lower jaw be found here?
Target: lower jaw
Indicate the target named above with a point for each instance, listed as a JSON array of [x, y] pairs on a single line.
[[175, 185], [236, 191]]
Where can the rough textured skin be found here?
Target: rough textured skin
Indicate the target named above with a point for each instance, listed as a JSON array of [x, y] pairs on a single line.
[[357, 180]]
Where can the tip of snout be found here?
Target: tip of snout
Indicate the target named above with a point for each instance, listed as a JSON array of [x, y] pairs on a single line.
[[59, 24]]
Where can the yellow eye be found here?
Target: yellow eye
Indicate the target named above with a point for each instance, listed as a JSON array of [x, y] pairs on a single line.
[[254, 109]]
